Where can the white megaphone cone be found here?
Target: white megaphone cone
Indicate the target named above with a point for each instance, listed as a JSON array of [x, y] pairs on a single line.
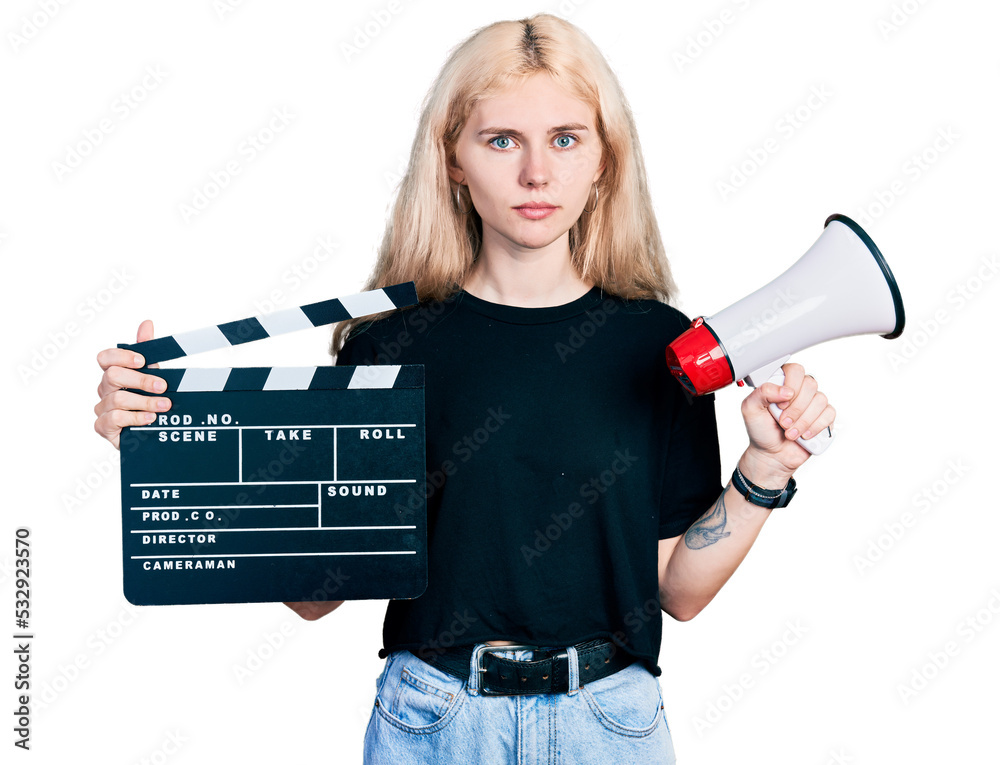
[[842, 286]]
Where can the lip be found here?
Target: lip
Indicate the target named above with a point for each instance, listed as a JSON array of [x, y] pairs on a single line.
[[535, 210]]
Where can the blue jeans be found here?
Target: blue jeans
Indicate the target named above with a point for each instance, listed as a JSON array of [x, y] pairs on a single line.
[[424, 715]]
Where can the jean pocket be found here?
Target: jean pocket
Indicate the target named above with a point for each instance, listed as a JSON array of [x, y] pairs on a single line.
[[419, 697], [628, 702]]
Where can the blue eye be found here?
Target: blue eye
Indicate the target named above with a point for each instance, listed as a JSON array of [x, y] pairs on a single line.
[[565, 141], [507, 143]]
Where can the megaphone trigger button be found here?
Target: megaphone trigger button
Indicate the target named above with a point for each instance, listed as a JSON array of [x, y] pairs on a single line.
[[740, 383]]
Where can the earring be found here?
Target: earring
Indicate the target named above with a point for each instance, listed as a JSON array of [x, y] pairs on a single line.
[[596, 196], [458, 201]]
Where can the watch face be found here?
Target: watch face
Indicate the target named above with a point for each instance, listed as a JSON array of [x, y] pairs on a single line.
[[787, 494]]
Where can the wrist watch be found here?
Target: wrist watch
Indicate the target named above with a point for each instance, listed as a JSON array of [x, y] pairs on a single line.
[[769, 498]]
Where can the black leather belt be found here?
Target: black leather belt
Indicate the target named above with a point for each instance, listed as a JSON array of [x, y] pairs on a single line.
[[499, 676]]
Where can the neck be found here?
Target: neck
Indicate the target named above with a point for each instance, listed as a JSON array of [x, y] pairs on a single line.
[[527, 278]]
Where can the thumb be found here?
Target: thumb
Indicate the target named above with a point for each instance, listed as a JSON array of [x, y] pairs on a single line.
[[146, 333], [767, 394]]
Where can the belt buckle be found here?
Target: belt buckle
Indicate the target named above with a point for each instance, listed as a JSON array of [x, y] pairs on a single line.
[[477, 656], [484, 649]]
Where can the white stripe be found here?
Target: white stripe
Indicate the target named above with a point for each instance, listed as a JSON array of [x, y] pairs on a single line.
[[365, 303], [289, 320], [197, 379], [289, 378], [201, 340], [374, 376]]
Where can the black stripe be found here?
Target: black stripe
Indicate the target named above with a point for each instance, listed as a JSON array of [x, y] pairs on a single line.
[[325, 312], [160, 349], [410, 376], [247, 378], [402, 295], [331, 378], [243, 331]]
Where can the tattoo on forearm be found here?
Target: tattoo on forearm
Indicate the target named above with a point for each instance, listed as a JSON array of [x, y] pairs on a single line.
[[709, 529]]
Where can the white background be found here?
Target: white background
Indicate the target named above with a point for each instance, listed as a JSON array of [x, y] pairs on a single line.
[[89, 251]]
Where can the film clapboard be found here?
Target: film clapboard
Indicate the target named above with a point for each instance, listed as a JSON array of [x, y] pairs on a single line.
[[269, 484]]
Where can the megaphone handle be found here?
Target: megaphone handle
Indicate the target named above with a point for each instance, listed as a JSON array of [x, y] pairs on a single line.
[[815, 445]]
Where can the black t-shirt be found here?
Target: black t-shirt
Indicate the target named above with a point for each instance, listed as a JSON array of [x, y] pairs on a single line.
[[559, 450]]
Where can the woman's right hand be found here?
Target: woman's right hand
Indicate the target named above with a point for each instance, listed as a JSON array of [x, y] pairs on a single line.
[[119, 408]]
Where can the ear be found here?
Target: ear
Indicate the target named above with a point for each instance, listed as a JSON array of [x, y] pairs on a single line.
[[455, 171], [600, 171]]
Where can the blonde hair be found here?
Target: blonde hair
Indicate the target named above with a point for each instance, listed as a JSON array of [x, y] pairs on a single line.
[[427, 240]]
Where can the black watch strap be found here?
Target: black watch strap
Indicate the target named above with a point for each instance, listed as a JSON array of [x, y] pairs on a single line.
[[769, 498]]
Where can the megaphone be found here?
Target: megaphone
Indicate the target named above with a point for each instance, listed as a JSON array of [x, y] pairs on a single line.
[[842, 286]]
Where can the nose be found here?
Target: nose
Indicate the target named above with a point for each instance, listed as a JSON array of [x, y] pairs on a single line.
[[535, 171]]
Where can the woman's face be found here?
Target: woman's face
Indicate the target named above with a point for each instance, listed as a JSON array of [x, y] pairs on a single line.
[[529, 156]]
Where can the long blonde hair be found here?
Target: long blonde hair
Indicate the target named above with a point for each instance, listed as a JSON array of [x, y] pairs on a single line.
[[427, 240]]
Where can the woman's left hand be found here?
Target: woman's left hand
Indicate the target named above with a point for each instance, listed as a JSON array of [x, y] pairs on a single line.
[[773, 451]]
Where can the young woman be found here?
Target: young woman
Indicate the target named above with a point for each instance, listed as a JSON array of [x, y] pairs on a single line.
[[573, 489]]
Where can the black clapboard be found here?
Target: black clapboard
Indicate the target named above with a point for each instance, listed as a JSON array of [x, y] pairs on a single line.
[[277, 483]]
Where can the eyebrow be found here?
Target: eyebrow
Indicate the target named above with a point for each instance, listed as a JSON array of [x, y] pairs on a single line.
[[573, 126]]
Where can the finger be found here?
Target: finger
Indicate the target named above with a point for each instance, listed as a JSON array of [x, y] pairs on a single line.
[[794, 374], [145, 333], [109, 425], [115, 378], [128, 401], [120, 357], [823, 421], [808, 417], [804, 395], [123, 357], [769, 393]]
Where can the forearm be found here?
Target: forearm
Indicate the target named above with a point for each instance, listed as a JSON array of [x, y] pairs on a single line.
[[310, 610], [713, 547]]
